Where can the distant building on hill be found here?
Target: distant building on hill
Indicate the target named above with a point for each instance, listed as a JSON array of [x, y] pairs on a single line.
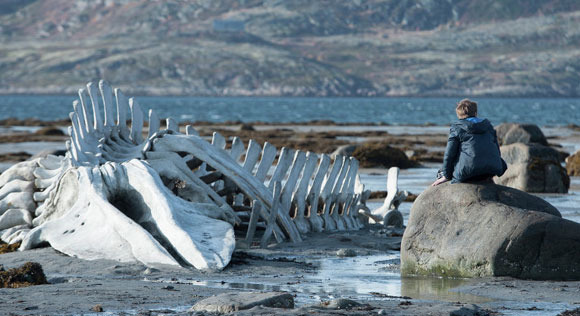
[[229, 26]]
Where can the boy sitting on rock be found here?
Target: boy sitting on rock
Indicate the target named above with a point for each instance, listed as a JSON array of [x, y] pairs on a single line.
[[472, 152]]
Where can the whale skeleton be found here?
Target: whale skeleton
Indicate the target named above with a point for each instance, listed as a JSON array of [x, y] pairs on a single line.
[[170, 197]]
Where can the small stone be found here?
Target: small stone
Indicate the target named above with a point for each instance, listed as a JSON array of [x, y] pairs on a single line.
[[98, 308], [342, 303], [50, 131], [344, 252], [370, 245], [471, 310], [231, 302], [247, 127], [58, 280], [150, 271]]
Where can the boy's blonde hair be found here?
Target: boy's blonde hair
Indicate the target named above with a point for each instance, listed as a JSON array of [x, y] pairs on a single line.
[[466, 108]]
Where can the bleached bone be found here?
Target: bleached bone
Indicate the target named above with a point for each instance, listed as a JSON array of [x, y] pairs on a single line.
[[127, 204], [327, 190], [169, 165], [275, 204], [252, 155], [299, 198], [136, 122], [251, 158], [288, 189], [16, 186], [268, 156], [220, 160], [314, 217], [107, 95], [254, 215], [218, 140], [364, 195], [168, 198], [15, 217], [52, 168], [352, 209], [346, 196], [17, 200], [14, 234], [189, 130], [237, 148], [388, 213], [172, 125], [21, 171], [334, 196]]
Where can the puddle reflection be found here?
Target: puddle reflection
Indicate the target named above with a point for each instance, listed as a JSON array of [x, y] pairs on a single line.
[[438, 289], [359, 278]]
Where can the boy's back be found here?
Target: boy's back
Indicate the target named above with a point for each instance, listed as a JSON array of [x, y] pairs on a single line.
[[478, 153], [472, 150]]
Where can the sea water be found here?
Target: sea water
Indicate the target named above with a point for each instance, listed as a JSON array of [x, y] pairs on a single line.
[[395, 111]]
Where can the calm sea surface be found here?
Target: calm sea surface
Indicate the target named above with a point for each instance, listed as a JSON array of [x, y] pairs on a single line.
[[440, 111]]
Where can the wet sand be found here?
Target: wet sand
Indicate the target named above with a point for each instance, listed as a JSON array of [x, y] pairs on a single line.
[[311, 271]]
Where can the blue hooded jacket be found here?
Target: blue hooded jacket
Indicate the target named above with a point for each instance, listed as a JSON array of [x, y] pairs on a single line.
[[472, 151]]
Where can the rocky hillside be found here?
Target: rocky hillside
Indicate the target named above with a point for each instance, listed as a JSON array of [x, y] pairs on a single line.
[[298, 48]]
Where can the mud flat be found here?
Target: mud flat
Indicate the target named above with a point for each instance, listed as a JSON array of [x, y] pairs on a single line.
[[362, 265]]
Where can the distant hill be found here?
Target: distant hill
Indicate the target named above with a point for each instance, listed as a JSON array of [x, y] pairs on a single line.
[[295, 48]]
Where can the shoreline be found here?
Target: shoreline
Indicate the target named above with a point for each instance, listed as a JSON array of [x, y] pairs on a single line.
[[13, 121], [68, 91]]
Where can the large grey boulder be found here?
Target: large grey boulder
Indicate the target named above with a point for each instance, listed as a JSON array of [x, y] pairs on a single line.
[[476, 230], [231, 302], [511, 133], [533, 168]]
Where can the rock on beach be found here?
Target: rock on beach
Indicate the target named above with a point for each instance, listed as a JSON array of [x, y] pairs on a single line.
[[231, 302], [29, 274], [533, 168], [511, 133], [378, 154], [477, 230], [573, 164]]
